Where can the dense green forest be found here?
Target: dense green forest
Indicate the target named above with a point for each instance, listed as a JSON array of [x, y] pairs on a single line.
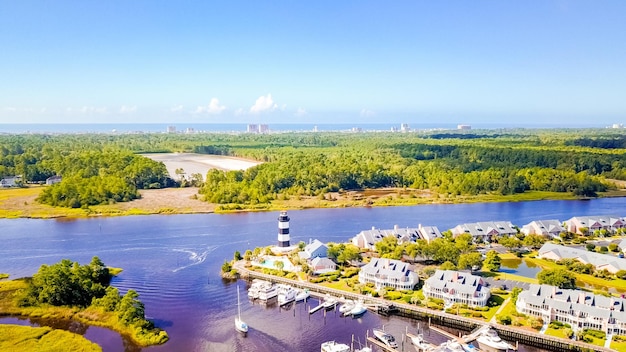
[[104, 168]]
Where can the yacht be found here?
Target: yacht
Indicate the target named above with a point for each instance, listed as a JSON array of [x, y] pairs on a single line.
[[386, 338], [240, 325], [488, 340], [253, 291], [267, 291], [286, 294], [419, 343], [329, 302], [332, 346], [346, 307], [358, 309], [302, 295]]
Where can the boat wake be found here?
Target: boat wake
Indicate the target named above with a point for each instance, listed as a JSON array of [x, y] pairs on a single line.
[[195, 257]]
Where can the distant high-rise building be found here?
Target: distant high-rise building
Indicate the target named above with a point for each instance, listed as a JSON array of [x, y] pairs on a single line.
[[252, 128], [171, 129], [464, 127], [261, 128], [404, 127]]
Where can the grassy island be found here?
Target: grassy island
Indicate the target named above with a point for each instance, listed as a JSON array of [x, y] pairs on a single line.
[[69, 291]]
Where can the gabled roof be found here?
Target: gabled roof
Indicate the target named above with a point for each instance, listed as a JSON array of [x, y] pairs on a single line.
[[457, 282], [597, 259]]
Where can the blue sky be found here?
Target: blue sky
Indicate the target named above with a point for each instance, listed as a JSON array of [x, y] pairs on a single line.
[[527, 62]]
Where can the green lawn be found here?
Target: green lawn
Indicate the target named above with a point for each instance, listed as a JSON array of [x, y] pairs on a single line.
[[596, 282], [619, 346], [556, 332]]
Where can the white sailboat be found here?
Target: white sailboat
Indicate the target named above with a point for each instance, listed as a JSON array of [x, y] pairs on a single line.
[[240, 325]]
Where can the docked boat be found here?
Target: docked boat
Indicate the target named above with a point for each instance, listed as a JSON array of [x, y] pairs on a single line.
[[346, 307], [329, 302], [332, 346], [253, 291], [240, 325], [268, 291], [385, 338], [286, 294], [358, 309], [488, 340], [302, 295], [419, 343]]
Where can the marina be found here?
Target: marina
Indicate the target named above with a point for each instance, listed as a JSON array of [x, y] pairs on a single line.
[[173, 262]]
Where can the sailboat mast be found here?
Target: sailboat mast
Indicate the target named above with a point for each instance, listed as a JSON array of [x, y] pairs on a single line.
[[238, 303]]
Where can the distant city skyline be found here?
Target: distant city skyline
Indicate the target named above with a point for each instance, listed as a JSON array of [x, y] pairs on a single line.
[[552, 62]]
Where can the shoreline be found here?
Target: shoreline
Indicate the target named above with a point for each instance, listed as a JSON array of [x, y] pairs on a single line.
[[20, 203]]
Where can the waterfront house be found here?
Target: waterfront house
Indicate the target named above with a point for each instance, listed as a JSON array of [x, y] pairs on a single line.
[[584, 225], [383, 272], [550, 228], [580, 309], [457, 287], [53, 179], [10, 181], [321, 265], [368, 238], [600, 261], [428, 233], [622, 245], [313, 250], [485, 231]]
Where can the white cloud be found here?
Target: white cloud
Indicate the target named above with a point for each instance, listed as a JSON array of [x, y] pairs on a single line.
[[367, 113], [240, 112], [127, 109], [178, 108], [264, 103], [213, 108], [10, 109], [300, 112]]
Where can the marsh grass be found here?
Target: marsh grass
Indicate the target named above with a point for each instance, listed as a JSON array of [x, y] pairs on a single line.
[[16, 338]]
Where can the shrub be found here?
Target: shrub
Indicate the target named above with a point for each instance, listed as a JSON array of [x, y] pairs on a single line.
[[504, 319], [477, 315]]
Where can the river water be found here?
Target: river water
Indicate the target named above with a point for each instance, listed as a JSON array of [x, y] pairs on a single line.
[[173, 261]]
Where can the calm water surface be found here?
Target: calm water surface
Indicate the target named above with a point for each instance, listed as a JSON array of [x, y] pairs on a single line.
[[173, 261]]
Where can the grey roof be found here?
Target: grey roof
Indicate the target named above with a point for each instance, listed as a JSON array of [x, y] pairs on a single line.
[[544, 226], [575, 301], [388, 267], [458, 281], [598, 221], [597, 259], [622, 244], [489, 228], [310, 248], [402, 234], [429, 232]]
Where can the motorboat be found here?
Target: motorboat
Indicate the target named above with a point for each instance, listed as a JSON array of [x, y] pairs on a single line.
[[453, 346], [419, 343], [346, 307], [332, 346], [488, 340], [385, 338], [302, 295], [240, 325], [253, 291], [358, 309], [286, 294], [267, 291], [329, 302]]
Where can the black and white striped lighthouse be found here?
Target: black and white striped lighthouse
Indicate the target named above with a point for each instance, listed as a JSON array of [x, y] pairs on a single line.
[[283, 229]]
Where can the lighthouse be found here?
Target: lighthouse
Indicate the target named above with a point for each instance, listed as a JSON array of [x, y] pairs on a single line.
[[283, 230]]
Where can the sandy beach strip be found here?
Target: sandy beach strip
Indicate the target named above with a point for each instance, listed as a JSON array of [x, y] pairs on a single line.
[[193, 163]]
